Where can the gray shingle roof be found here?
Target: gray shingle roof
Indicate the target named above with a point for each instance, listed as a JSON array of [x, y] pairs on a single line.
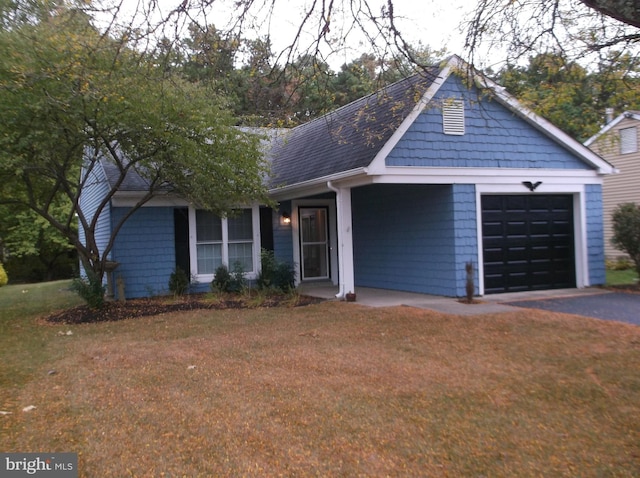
[[342, 140], [347, 138], [133, 181]]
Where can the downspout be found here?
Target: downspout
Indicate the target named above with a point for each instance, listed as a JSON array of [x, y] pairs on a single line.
[[341, 292]]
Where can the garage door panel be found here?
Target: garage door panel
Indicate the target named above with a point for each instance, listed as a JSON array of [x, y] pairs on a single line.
[[528, 242]]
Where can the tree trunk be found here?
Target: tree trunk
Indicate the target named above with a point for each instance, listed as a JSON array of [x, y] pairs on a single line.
[[626, 11]]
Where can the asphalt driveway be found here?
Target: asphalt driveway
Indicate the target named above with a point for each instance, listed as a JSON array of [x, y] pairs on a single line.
[[620, 306]]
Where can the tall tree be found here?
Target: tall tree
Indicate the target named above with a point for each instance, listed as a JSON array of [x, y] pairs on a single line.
[[33, 249], [569, 95], [71, 97], [574, 28]]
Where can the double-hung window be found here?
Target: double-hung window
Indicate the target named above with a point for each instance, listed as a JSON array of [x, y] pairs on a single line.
[[229, 241], [209, 242], [240, 230]]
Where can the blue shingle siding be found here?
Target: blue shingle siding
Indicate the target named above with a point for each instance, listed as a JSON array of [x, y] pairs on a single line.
[[466, 235], [282, 238], [595, 234], [95, 190], [406, 237], [494, 137], [145, 249]]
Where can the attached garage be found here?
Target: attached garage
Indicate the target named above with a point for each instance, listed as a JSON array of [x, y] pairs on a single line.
[[528, 242]]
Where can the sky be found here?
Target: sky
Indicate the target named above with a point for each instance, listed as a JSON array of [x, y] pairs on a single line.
[[433, 23]]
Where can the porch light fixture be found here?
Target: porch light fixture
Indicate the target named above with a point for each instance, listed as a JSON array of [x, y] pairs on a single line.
[[285, 220]]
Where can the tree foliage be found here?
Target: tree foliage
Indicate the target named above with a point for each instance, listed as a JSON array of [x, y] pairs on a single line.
[[571, 96], [626, 231], [575, 28], [71, 96]]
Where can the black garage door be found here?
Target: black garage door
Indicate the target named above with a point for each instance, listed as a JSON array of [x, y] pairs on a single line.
[[527, 242]]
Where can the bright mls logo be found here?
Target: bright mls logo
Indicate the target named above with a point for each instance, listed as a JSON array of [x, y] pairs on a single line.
[[47, 465]]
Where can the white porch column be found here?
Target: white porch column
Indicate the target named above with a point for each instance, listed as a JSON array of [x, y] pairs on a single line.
[[345, 240]]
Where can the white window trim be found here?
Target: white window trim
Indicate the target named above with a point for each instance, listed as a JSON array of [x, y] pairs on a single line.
[[193, 253]]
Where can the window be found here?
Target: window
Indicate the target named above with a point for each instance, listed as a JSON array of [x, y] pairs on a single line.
[[241, 240], [628, 140], [453, 117], [208, 242], [223, 241]]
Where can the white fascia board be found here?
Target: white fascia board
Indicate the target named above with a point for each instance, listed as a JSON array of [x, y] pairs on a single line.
[[612, 124], [425, 175], [378, 165], [316, 185]]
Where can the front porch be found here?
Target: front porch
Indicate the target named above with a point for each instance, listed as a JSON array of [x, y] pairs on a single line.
[[491, 304], [372, 297]]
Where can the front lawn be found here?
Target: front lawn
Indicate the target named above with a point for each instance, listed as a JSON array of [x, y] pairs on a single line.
[[331, 389], [625, 277]]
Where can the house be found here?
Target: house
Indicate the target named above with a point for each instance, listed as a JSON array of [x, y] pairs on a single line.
[[399, 190], [617, 142]]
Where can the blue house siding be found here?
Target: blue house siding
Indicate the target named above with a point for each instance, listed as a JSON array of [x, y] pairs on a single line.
[[95, 190], [145, 249], [466, 235], [282, 239], [595, 234], [405, 238], [493, 138]]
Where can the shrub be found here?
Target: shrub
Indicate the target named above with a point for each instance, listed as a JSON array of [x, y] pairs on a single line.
[[238, 282], [4, 278], [225, 281], [178, 282], [619, 264], [626, 231], [275, 275], [221, 279], [91, 289]]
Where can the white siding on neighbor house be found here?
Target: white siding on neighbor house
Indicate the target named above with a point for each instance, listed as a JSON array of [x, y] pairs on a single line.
[[618, 188]]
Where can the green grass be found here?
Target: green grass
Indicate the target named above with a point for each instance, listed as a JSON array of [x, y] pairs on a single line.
[[23, 300], [621, 277], [332, 389], [25, 343]]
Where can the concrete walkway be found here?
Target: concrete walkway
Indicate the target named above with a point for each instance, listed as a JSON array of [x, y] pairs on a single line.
[[490, 304]]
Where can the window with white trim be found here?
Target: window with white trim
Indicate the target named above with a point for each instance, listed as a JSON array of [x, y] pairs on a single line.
[[209, 242], [228, 241], [241, 240], [453, 117], [628, 140]]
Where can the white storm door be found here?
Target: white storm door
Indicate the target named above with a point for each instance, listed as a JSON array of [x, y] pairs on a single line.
[[314, 242]]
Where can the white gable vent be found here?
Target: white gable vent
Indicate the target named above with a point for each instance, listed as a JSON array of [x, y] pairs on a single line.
[[628, 140], [453, 117]]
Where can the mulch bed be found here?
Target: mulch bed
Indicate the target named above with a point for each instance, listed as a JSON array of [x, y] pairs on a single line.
[[134, 308], [632, 288]]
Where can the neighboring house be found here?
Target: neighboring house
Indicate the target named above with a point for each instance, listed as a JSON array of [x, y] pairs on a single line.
[[400, 190], [617, 142]]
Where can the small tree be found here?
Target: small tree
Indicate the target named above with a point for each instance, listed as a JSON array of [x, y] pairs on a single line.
[[73, 98], [626, 231]]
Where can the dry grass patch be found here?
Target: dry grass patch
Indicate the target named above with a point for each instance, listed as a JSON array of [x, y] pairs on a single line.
[[335, 389]]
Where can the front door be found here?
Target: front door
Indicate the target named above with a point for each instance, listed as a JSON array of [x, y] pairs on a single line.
[[314, 243]]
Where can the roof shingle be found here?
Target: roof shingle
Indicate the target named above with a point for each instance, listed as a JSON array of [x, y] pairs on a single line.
[[347, 138]]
